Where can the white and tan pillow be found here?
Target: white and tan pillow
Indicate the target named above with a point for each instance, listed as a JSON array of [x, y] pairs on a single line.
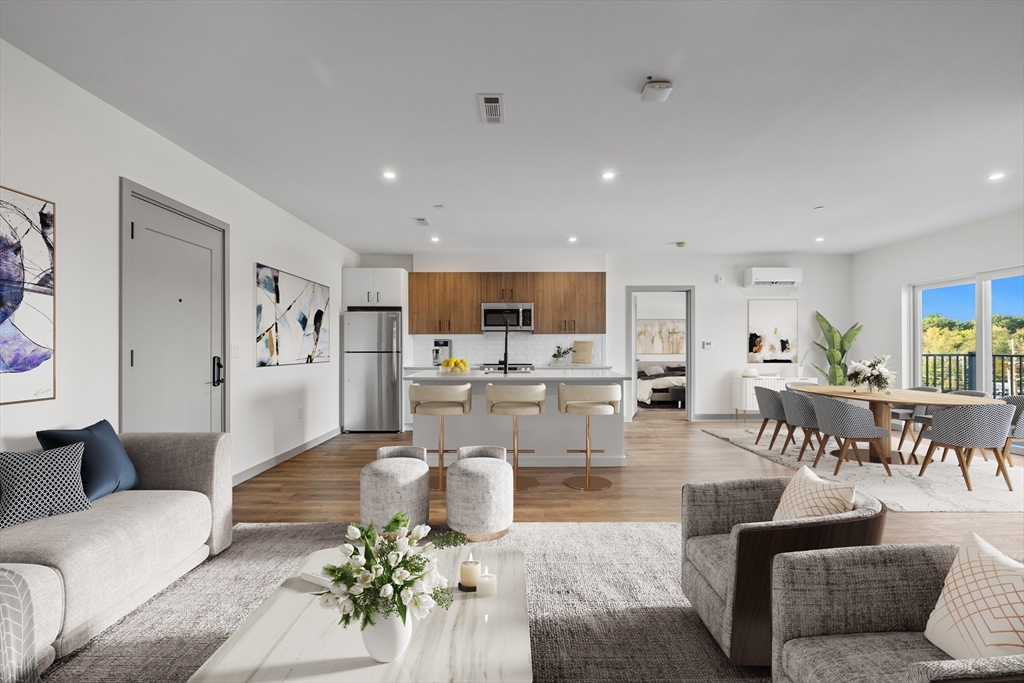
[[808, 495], [980, 612]]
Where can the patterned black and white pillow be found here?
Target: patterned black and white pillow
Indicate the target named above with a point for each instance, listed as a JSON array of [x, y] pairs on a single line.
[[37, 485]]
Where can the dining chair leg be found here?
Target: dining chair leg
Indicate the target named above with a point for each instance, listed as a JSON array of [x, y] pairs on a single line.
[[808, 433], [927, 458], [906, 428], [917, 442], [945, 452], [856, 451], [775, 434], [842, 455], [985, 457], [764, 423], [885, 463], [1006, 453], [821, 449], [963, 466], [1003, 467], [789, 438]]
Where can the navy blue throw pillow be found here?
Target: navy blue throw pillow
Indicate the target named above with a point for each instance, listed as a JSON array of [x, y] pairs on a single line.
[[106, 467]]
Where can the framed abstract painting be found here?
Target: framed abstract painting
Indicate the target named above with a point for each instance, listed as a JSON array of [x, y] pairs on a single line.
[[772, 326], [27, 310], [292, 319]]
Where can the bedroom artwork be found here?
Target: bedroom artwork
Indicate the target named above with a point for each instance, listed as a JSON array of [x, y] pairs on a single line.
[[660, 336], [26, 298], [772, 330], [292, 319]]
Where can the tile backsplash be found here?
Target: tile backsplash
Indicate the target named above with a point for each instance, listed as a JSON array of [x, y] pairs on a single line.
[[490, 346]]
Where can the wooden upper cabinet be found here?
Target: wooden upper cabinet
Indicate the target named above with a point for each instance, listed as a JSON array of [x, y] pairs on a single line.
[[449, 303], [506, 287], [444, 303], [569, 302]]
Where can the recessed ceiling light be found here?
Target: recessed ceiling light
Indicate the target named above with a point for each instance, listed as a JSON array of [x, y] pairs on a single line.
[[608, 175], [572, 239], [388, 174], [435, 239], [997, 176], [818, 207], [819, 239], [680, 244]]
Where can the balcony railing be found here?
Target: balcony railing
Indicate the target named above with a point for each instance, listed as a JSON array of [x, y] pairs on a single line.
[[955, 371]]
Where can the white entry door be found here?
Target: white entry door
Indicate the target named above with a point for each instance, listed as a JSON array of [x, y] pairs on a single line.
[[172, 316]]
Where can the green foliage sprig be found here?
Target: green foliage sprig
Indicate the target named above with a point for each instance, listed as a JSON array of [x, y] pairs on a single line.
[[838, 346]]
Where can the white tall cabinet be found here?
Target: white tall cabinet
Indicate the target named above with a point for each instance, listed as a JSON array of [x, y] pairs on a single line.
[[374, 286], [744, 398]]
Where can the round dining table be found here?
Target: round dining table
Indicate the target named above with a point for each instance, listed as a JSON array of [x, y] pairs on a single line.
[[881, 403]]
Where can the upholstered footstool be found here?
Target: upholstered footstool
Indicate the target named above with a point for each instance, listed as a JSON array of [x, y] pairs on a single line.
[[480, 493], [397, 481]]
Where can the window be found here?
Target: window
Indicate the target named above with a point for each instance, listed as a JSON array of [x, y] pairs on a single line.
[[970, 334]]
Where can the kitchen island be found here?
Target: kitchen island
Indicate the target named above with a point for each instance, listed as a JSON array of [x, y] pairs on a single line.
[[550, 434]]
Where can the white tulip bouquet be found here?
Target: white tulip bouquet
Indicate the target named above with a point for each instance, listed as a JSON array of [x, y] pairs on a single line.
[[873, 373], [386, 574]]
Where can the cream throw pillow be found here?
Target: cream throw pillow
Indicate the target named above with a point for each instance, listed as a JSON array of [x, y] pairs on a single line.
[[980, 612], [808, 495]]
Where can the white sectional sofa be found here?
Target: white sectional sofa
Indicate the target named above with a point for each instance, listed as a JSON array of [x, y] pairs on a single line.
[[86, 570]]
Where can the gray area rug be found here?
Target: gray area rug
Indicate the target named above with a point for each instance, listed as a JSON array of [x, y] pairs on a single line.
[[941, 489], [604, 599]]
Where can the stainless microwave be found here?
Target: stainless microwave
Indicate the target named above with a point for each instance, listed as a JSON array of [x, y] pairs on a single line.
[[518, 316]]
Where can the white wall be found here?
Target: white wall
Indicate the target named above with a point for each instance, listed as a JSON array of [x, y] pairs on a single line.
[[386, 261], [563, 262], [720, 311], [884, 279], [62, 143]]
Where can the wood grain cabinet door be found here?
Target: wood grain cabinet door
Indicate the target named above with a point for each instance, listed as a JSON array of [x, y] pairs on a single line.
[[463, 300], [428, 308], [496, 288], [588, 309], [551, 299]]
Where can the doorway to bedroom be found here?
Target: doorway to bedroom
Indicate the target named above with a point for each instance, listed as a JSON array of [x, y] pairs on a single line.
[[660, 322]]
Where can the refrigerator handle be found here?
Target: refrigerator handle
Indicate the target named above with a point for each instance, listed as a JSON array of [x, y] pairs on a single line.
[[394, 351]]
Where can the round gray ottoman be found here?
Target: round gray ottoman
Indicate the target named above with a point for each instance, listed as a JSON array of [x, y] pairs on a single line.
[[480, 493], [397, 481]]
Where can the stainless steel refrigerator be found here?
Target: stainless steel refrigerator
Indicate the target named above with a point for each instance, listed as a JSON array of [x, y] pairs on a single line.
[[373, 371]]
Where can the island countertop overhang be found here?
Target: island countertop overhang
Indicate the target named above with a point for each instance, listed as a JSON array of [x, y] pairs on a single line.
[[568, 376]]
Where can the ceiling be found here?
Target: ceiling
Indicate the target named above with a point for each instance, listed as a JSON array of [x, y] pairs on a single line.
[[891, 115]]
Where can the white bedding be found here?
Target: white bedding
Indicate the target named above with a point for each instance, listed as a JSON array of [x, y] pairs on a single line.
[[645, 387]]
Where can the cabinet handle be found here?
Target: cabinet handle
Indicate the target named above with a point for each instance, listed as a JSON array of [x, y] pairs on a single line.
[[449, 325], [511, 294], [367, 297], [503, 295], [573, 325], [440, 325], [378, 297]]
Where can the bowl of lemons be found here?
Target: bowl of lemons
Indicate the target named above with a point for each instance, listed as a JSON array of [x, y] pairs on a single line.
[[454, 365]]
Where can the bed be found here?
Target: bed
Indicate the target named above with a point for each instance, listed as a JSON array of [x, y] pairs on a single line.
[[656, 379]]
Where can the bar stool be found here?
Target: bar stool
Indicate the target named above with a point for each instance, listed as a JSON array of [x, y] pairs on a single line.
[[515, 401], [589, 400], [440, 400]]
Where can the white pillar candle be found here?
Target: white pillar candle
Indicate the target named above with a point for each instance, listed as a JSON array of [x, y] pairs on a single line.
[[469, 572], [487, 585]]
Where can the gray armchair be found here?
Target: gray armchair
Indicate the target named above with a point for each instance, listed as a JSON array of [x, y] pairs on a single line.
[[858, 614], [729, 542]]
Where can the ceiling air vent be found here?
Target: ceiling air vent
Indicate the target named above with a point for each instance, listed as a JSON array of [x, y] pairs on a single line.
[[422, 222], [492, 107]]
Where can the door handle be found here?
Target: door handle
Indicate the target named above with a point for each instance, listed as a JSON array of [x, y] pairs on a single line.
[[367, 297], [218, 371]]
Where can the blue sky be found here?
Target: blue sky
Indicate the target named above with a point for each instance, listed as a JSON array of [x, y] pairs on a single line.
[[958, 302]]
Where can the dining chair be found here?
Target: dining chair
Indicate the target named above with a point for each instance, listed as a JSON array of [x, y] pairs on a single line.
[[1017, 430], [769, 404], [848, 424], [925, 419], [964, 428], [908, 411], [800, 413]]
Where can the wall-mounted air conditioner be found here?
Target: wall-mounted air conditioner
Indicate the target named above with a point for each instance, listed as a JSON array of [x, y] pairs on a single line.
[[772, 277]]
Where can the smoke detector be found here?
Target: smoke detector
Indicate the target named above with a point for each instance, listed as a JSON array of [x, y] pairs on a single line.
[[656, 91], [492, 107], [422, 222]]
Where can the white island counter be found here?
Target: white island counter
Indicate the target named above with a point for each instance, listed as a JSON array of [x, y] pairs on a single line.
[[550, 434]]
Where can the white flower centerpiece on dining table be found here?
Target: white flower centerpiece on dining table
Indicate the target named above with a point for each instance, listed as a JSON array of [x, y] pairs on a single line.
[[871, 373], [387, 578]]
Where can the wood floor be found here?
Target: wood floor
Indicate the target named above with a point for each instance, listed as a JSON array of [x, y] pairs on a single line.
[[664, 451]]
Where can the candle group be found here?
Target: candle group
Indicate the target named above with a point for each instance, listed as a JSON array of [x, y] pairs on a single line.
[[486, 585]]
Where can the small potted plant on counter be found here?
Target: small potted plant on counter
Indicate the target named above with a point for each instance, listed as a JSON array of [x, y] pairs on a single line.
[[560, 354]]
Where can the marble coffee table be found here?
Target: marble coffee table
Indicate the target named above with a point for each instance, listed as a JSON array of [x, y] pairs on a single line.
[[291, 638]]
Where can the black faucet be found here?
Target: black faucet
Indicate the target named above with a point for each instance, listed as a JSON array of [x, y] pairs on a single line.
[[505, 361]]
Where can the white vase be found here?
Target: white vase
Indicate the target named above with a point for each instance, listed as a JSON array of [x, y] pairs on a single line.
[[800, 371], [388, 638]]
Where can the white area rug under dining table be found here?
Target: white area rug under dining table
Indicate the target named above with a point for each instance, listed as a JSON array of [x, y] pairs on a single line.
[[941, 489]]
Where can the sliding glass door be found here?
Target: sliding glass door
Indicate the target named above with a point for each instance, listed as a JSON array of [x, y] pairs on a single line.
[[970, 334]]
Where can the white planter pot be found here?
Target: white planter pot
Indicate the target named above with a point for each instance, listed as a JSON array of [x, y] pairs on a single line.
[[800, 371], [388, 638]]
